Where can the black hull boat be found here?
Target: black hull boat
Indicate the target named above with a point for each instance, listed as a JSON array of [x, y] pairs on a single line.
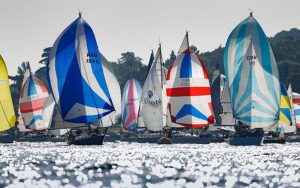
[[6, 138], [273, 141], [189, 139], [293, 138], [274, 138], [86, 136], [185, 139], [112, 138], [146, 139], [91, 139], [246, 137], [39, 139], [248, 140]]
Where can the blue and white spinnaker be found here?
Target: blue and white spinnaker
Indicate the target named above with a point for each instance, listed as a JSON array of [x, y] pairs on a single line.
[[252, 75], [76, 77]]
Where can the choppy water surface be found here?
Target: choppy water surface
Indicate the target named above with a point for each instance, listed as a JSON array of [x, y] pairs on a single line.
[[148, 165]]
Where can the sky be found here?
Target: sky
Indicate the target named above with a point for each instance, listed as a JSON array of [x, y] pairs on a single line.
[[27, 27]]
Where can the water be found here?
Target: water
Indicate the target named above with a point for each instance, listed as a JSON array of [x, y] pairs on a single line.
[[148, 165]]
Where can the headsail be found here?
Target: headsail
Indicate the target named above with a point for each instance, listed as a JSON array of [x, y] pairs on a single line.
[[184, 45], [153, 105], [76, 75], [252, 75], [285, 117], [130, 104], [7, 113], [33, 97], [188, 90]]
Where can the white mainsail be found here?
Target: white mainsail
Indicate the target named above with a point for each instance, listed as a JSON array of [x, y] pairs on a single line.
[[153, 104], [184, 45]]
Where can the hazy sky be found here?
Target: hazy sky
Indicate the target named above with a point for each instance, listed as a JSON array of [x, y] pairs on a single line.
[[28, 26]]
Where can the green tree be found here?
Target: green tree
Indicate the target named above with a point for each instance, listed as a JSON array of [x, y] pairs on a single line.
[[170, 60], [45, 55], [129, 66]]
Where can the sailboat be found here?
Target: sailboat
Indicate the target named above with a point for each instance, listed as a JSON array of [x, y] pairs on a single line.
[[224, 120], [7, 113], [253, 82], [58, 127], [32, 99], [189, 97], [130, 105], [295, 113], [285, 124], [78, 84]]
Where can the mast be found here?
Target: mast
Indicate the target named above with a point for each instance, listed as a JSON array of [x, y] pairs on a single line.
[[161, 68]]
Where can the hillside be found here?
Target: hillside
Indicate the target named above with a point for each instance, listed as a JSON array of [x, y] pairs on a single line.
[[285, 45]]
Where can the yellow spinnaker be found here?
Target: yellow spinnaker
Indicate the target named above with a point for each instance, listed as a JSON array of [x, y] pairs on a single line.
[[7, 113]]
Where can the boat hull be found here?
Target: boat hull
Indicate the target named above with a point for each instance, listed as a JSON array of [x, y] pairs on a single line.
[[87, 140], [192, 139], [6, 138], [174, 140], [245, 140], [112, 138], [40, 139], [274, 141], [293, 138]]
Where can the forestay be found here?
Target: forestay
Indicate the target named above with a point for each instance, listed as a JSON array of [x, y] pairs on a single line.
[[130, 104], [252, 75], [76, 76], [153, 100]]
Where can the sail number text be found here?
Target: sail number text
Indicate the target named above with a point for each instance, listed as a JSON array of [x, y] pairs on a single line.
[[92, 58], [251, 59]]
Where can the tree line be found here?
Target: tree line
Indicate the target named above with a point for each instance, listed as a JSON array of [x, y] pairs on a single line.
[[285, 45]]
